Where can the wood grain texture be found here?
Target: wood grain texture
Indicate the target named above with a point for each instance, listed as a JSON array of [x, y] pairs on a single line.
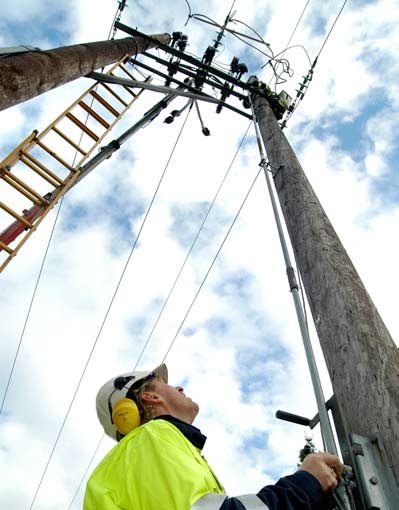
[[27, 75], [362, 359]]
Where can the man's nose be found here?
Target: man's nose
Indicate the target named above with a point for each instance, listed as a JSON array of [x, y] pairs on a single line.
[[180, 388]]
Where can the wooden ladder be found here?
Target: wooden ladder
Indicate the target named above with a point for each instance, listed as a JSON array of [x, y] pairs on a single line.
[[41, 169]]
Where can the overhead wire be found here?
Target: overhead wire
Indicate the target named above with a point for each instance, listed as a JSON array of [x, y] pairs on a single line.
[[304, 86], [118, 13], [192, 246], [296, 26], [31, 305], [220, 248], [169, 295], [107, 313], [211, 266], [38, 280], [86, 471], [331, 29], [117, 17]]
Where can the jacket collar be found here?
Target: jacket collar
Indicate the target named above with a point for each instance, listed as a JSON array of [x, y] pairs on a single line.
[[193, 434]]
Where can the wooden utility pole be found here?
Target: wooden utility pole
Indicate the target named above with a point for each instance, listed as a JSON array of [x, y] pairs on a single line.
[[26, 75], [362, 358]]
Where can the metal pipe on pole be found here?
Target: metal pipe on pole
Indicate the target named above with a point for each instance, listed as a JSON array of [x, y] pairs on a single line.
[[361, 356], [325, 425], [27, 75]]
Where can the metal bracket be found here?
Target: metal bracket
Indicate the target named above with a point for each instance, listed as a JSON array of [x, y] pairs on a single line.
[[13, 50], [379, 489]]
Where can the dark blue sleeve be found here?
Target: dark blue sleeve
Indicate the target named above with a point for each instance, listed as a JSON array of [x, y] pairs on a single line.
[[300, 491]]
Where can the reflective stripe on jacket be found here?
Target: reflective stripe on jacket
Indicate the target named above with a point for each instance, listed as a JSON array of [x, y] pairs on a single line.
[[154, 467], [215, 502]]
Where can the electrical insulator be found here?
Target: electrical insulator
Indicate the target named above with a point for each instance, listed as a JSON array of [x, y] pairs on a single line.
[[246, 103], [176, 36], [234, 65], [242, 68], [182, 44], [209, 54]]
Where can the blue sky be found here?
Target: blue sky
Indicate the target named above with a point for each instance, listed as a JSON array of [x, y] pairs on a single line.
[[239, 352]]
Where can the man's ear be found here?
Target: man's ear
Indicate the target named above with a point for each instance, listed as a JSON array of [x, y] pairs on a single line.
[[150, 397]]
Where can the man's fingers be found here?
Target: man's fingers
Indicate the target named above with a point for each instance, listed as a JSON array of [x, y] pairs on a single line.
[[336, 465], [327, 468]]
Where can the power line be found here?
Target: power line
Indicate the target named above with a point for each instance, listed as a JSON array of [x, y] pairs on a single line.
[[191, 247], [30, 305], [308, 78], [86, 471], [169, 294], [211, 266], [39, 278], [296, 26], [107, 313], [331, 29]]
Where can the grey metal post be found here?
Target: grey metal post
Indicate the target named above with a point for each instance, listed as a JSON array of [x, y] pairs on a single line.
[[325, 424], [362, 358]]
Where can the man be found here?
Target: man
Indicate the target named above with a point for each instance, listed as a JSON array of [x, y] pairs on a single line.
[[157, 463]]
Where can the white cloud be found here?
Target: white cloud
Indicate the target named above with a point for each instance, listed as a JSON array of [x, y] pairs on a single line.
[[239, 352]]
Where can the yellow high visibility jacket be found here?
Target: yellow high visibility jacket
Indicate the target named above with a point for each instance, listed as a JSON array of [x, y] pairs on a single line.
[[155, 467]]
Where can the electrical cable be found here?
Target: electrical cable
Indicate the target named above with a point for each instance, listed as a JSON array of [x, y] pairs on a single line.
[[117, 17], [106, 314], [192, 246], [331, 29], [303, 87], [86, 471], [169, 295], [39, 278], [189, 13], [261, 39], [211, 266], [290, 48], [296, 26], [31, 304]]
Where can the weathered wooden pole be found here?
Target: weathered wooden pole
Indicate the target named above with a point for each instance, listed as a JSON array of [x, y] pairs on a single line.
[[23, 76], [362, 358]]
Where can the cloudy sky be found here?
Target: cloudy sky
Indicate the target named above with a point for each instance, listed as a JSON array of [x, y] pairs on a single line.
[[235, 346]]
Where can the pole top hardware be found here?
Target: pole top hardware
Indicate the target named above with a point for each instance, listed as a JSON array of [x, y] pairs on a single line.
[[279, 103]]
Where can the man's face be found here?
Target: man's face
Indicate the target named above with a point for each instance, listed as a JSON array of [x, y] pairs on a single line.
[[172, 400]]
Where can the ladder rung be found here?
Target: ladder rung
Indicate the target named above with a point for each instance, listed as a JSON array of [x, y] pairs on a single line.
[[101, 100], [15, 215], [40, 169], [123, 68], [23, 188], [67, 139], [12, 158], [55, 156], [5, 248], [113, 93], [84, 128], [94, 114], [128, 89]]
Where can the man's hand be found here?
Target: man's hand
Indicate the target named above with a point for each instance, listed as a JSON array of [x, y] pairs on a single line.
[[327, 468]]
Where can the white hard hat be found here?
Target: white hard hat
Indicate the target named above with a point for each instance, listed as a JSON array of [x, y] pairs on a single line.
[[116, 389]]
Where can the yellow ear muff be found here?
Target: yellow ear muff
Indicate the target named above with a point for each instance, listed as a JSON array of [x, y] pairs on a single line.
[[125, 415]]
